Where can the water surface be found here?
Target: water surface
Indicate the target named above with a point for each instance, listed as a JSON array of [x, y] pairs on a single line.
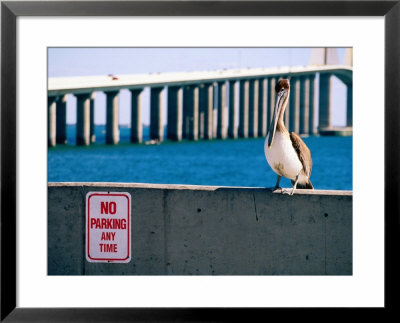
[[239, 162]]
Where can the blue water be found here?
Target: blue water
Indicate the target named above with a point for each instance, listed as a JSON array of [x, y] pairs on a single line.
[[229, 162]]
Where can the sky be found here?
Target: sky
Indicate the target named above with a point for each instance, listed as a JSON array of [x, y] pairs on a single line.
[[64, 62]]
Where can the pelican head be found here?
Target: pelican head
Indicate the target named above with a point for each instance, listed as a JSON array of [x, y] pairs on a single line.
[[282, 89]]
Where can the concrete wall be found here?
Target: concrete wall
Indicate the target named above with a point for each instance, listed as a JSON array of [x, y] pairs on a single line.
[[200, 230]]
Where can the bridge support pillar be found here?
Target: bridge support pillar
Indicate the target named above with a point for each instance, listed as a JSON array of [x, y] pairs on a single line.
[[325, 100], [51, 120], [191, 112], [206, 107], [83, 120], [175, 113], [262, 107], [136, 116], [202, 111], [294, 105], [206, 111], [92, 127], [304, 104], [233, 110], [349, 108], [61, 120], [221, 108], [311, 117], [253, 108], [244, 108], [156, 125], [112, 122]]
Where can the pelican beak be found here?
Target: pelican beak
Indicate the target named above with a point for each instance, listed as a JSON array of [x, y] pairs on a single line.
[[278, 107]]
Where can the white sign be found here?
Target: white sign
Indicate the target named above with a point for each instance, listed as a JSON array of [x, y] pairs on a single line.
[[108, 227]]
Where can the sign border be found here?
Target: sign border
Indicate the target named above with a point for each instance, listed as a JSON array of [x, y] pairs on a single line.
[[87, 213]]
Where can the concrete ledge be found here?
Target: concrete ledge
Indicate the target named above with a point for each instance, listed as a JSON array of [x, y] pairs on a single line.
[[209, 230]]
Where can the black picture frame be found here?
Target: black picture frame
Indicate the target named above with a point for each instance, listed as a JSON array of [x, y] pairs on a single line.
[[10, 10]]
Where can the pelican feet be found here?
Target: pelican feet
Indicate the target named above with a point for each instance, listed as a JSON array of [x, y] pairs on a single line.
[[288, 191], [285, 191], [276, 189]]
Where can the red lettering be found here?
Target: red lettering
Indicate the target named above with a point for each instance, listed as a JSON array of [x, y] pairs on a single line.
[[106, 223], [117, 224], [104, 207], [108, 247], [113, 207], [108, 207], [108, 236]]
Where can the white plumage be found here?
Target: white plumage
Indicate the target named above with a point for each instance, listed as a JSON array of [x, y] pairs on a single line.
[[282, 157]]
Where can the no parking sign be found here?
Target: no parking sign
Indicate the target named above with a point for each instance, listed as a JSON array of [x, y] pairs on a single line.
[[108, 227]]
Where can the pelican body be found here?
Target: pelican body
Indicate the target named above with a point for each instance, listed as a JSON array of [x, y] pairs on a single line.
[[286, 153]]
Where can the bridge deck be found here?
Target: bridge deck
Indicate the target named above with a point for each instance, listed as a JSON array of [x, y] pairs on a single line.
[[87, 84]]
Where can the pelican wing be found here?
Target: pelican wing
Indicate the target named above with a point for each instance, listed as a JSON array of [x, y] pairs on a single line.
[[303, 153]]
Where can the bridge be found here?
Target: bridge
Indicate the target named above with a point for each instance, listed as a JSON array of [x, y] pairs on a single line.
[[234, 103]]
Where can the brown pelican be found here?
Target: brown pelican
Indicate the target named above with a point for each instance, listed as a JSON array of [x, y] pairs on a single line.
[[286, 153]]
